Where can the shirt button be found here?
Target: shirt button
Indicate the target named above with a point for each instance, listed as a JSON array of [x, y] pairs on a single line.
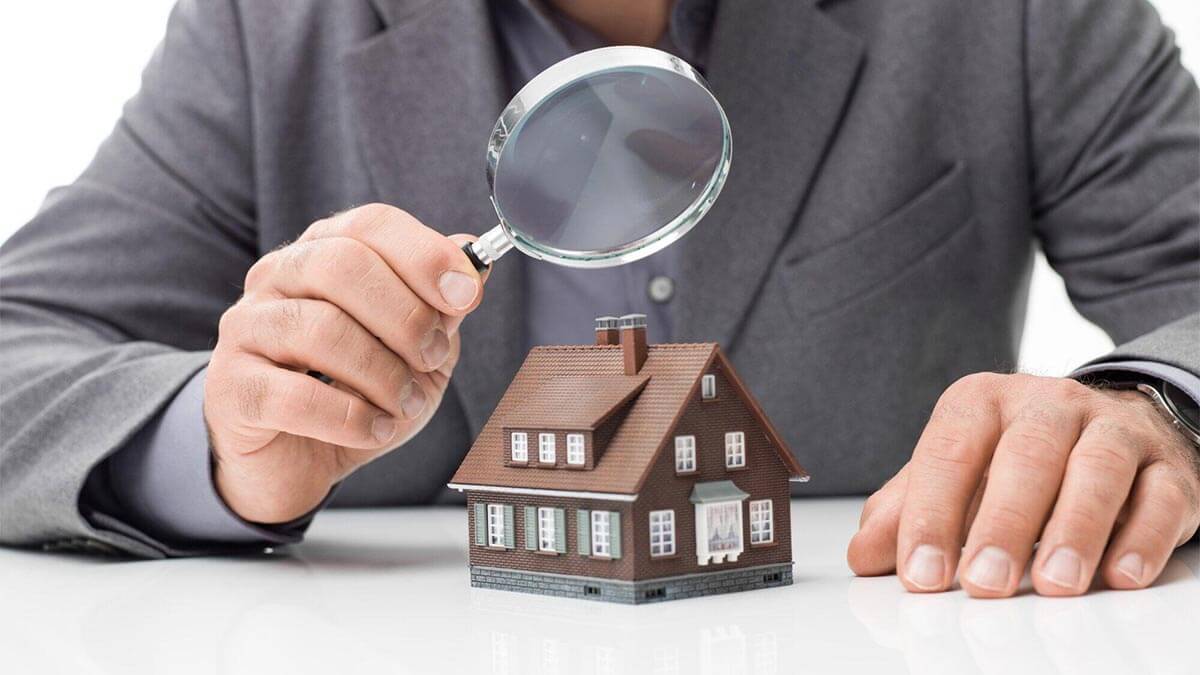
[[661, 288]]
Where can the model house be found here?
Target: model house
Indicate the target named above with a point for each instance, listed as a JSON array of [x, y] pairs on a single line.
[[628, 472]]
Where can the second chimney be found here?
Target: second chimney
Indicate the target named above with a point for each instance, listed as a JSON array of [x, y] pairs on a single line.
[[632, 328], [606, 330]]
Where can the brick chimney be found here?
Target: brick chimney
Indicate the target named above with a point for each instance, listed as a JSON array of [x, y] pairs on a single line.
[[606, 330], [632, 328]]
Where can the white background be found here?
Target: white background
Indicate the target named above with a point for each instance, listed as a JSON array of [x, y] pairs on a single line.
[[66, 69]]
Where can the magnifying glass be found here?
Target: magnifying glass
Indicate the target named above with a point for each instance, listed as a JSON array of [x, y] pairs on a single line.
[[604, 158]]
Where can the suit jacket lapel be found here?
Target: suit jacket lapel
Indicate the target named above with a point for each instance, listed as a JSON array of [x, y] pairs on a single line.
[[783, 72], [426, 93]]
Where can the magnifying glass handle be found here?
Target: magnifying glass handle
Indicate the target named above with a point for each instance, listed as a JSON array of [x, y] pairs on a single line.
[[484, 251]]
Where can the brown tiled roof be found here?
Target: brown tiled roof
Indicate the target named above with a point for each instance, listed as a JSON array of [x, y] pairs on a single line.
[[673, 372], [575, 401]]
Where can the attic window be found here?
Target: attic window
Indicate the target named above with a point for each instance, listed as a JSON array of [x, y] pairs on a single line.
[[520, 446], [546, 448], [575, 456], [708, 387]]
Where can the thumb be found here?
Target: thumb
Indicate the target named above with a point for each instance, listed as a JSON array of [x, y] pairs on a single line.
[[451, 323]]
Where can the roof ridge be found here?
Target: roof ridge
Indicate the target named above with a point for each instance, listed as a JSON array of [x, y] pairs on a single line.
[[658, 345]]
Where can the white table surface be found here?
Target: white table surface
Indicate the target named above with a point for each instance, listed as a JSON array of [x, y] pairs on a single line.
[[387, 591]]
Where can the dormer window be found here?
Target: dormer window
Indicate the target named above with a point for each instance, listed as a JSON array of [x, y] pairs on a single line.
[[520, 446], [735, 450], [685, 454], [546, 448], [708, 387], [575, 454]]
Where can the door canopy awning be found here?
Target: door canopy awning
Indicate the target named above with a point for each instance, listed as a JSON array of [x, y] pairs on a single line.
[[716, 491]]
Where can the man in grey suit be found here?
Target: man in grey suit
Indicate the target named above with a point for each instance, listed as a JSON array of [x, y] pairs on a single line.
[[866, 268]]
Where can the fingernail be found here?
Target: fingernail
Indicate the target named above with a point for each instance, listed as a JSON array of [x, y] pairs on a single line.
[[1064, 567], [991, 569], [383, 428], [1133, 566], [926, 567], [458, 289], [435, 348], [412, 400]]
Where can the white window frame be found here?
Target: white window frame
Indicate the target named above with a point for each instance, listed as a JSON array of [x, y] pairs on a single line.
[[545, 524], [762, 522], [575, 450], [546, 454], [708, 387], [662, 533], [601, 534], [520, 450], [495, 525], [735, 449], [685, 454], [704, 556]]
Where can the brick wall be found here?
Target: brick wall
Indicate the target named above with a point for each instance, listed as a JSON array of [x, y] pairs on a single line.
[[765, 477], [570, 562]]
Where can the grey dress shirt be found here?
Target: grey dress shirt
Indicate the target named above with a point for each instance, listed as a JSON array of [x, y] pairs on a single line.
[[161, 481]]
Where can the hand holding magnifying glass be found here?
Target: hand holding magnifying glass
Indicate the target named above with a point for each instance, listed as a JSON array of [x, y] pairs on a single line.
[[604, 158]]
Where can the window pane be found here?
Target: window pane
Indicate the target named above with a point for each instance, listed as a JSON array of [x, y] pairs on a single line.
[[520, 446], [495, 524], [546, 448], [545, 529], [575, 454], [708, 386], [685, 453], [735, 449], [601, 546]]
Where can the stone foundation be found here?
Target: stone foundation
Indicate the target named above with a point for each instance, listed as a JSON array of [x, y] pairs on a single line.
[[633, 592]]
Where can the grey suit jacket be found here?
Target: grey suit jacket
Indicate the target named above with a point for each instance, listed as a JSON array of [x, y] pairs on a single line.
[[896, 164]]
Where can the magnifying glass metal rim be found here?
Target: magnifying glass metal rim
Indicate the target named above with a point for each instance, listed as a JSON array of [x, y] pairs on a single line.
[[497, 241]]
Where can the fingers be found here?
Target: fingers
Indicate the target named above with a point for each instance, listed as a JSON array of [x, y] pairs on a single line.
[[267, 397], [947, 466], [431, 264], [316, 335], [352, 276], [1163, 514], [872, 550], [1098, 478], [1023, 482]]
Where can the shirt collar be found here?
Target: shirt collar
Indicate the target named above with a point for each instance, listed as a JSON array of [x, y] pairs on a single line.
[[687, 32]]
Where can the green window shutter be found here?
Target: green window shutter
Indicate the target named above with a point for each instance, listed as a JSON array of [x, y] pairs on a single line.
[[560, 531], [531, 528], [583, 527], [509, 535], [480, 524], [614, 533]]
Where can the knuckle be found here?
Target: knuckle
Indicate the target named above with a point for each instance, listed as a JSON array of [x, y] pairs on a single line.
[[1174, 496], [285, 318], [1006, 521], [1066, 389], [299, 400], [1106, 459], [1083, 519], [946, 451], [974, 384], [371, 217], [251, 395], [262, 269]]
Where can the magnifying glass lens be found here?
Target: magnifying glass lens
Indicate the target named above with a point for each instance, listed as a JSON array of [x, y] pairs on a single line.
[[610, 159]]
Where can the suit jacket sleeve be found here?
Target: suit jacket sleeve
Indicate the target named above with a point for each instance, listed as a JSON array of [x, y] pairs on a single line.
[[112, 293], [1115, 168]]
